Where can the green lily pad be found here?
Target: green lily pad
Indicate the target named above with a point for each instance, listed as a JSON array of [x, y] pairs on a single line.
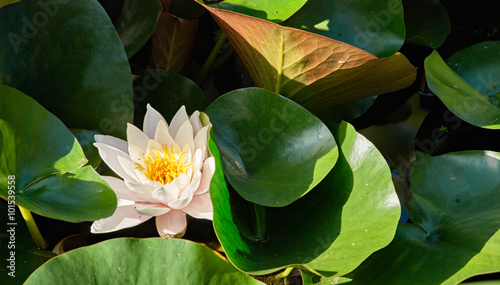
[[136, 23], [480, 62], [273, 150], [166, 92], [352, 213], [478, 65], [140, 261], [47, 161], [344, 112], [488, 282], [427, 23], [375, 26], [455, 232], [86, 140], [271, 10], [67, 55], [7, 2], [311, 279]]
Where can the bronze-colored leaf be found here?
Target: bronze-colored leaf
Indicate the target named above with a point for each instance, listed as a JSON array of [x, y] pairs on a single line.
[[173, 40], [312, 70]]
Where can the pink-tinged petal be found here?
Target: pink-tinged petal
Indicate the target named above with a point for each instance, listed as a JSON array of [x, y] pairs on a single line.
[[162, 136], [166, 193], [201, 139], [151, 121], [181, 182], [171, 223], [200, 207], [128, 167], [198, 160], [112, 141], [125, 216], [136, 153], [150, 209], [195, 122], [141, 190], [180, 203], [110, 155], [136, 137], [187, 194], [120, 188], [184, 136], [177, 121], [206, 176]]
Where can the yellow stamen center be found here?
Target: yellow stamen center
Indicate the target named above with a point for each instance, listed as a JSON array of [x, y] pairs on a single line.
[[164, 166]]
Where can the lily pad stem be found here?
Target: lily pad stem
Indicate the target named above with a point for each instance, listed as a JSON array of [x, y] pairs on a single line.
[[211, 57], [260, 222], [282, 275], [32, 227]]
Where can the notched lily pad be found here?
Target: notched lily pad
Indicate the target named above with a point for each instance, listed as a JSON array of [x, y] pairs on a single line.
[[153, 261], [469, 84], [68, 56], [352, 213], [427, 23], [47, 162], [273, 150], [456, 224]]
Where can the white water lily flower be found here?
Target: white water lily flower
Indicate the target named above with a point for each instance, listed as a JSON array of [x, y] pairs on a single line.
[[166, 171]]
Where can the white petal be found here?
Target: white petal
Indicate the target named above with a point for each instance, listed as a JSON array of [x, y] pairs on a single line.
[[154, 184], [141, 190], [136, 137], [195, 122], [151, 121], [187, 194], [162, 136], [128, 167], [190, 173], [142, 177], [112, 141], [125, 216], [151, 209], [171, 223], [120, 188], [152, 144], [167, 193], [184, 136], [198, 160], [176, 149], [181, 182], [200, 207], [179, 119], [201, 139], [110, 155], [207, 174], [136, 153]]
